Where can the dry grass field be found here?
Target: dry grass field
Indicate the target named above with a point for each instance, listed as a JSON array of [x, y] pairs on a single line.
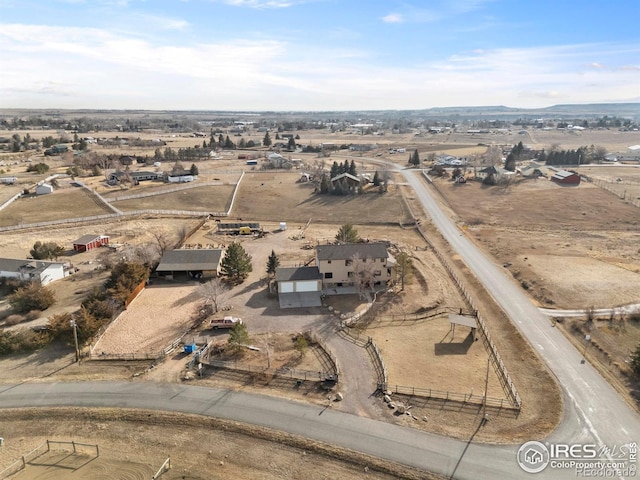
[[61, 204], [571, 247], [211, 198], [273, 196]]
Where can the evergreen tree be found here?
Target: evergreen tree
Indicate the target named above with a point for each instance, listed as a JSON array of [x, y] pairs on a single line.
[[510, 162], [273, 262], [238, 335], [376, 179], [352, 168], [335, 170], [194, 170], [325, 184], [292, 144], [347, 234], [345, 166], [266, 141], [236, 264], [228, 143], [415, 158]]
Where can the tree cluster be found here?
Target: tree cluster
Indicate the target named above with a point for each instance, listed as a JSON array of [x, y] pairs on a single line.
[[340, 168], [565, 157], [46, 251]]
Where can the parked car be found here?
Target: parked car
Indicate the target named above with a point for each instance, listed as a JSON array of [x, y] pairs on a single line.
[[226, 322]]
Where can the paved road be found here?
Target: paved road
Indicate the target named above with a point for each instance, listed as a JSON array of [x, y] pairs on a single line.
[[451, 458], [594, 411]]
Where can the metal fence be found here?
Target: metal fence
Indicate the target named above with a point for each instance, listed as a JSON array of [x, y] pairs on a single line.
[[276, 372], [464, 398]]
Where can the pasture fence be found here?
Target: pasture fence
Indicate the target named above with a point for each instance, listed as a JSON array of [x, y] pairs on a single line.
[[163, 191], [447, 396], [48, 446], [616, 188]]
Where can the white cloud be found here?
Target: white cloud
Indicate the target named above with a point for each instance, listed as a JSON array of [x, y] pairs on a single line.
[[95, 68], [259, 4], [393, 18]]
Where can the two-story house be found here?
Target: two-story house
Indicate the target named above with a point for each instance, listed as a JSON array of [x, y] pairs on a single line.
[[335, 263]]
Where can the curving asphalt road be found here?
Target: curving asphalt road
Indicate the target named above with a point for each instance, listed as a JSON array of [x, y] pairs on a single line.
[[448, 457]]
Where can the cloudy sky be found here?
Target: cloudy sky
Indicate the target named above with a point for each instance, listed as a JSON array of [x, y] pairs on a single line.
[[317, 54]]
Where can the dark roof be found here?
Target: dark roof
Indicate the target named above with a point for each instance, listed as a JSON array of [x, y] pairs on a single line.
[[187, 260], [346, 251], [86, 239], [289, 274]]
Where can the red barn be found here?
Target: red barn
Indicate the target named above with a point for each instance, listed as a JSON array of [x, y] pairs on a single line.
[[564, 177], [88, 242]]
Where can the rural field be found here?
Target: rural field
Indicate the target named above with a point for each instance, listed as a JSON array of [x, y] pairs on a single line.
[[568, 247]]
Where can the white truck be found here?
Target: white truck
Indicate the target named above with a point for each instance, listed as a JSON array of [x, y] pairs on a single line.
[[226, 322]]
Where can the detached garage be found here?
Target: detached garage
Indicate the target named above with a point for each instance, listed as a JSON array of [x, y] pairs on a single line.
[[89, 242], [564, 177], [299, 287]]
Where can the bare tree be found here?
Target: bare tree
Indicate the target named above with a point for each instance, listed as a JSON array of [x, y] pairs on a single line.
[[164, 241], [404, 268], [363, 273], [492, 156], [214, 293]]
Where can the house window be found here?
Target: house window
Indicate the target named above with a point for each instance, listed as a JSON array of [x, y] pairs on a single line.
[[328, 275], [377, 273], [389, 271], [329, 262], [350, 274], [348, 263]]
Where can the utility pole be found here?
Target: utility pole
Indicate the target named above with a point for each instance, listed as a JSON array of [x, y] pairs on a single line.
[[75, 337], [485, 418]]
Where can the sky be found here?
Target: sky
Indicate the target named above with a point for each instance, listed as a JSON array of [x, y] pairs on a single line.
[[321, 55]]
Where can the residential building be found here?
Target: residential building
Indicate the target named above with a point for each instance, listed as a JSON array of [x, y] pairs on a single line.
[[32, 270]]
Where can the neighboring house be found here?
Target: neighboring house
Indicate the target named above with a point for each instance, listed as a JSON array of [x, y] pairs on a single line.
[[8, 180], [197, 263], [335, 263], [362, 147], [346, 179], [299, 287], [531, 171], [89, 242], [44, 189], [136, 177], [564, 177], [32, 270]]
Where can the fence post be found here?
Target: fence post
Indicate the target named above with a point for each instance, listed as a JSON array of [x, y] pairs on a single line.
[[74, 446], [48, 447]]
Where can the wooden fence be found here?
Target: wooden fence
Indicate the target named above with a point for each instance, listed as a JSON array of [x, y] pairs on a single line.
[[616, 188], [464, 398]]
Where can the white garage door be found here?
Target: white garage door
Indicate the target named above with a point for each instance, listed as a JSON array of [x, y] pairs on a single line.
[[311, 286], [285, 287]]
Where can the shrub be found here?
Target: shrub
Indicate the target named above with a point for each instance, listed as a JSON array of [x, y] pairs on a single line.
[[31, 297]]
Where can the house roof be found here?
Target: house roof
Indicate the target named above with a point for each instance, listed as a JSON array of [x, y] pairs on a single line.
[[345, 175], [347, 251], [18, 265], [563, 174], [87, 239], [289, 274], [186, 260]]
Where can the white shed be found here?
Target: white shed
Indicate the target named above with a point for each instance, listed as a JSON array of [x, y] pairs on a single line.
[[44, 189]]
